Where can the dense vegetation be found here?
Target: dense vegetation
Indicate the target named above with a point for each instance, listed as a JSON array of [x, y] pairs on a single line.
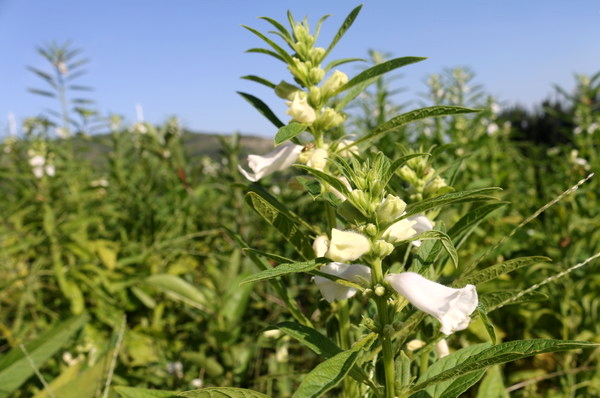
[[122, 253]]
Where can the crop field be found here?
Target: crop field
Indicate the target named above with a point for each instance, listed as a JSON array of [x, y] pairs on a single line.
[[370, 249]]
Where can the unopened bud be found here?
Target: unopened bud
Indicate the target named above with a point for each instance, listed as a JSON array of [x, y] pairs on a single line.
[[371, 229], [391, 208], [379, 290], [381, 248], [333, 83]]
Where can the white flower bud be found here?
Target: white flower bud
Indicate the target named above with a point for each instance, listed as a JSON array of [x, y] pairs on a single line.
[[333, 83], [299, 109], [390, 208], [347, 245]]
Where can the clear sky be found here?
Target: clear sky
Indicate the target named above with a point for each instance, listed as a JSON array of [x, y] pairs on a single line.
[[185, 57]]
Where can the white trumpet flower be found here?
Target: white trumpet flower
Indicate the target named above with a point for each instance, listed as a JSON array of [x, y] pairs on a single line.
[[407, 228], [344, 246], [332, 290], [278, 159], [452, 307]]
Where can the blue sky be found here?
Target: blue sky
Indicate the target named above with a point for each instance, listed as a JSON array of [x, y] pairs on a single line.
[[185, 57]]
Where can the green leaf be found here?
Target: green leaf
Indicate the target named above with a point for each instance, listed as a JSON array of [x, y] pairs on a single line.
[[222, 392], [179, 289], [498, 354], [259, 80], [288, 132], [342, 30], [492, 299], [278, 285], [326, 375], [285, 269], [495, 271], [489, 327], [134, 392], [462, 384], [271, 256], [444, 240], [42, 92], [278, 26], [492, 385], [320, 345], [286, 222], [326, 178], [287, 58], [355, 92], [262, 108], [453, 197], [448, 362], [342, 61], [379, 70], [265, 51], [463, 227], [15, 367]]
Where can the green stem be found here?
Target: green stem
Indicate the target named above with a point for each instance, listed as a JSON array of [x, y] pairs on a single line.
[[386, 340]]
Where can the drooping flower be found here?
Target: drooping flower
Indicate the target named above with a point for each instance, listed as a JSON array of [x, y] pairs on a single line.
[[278, 159], [407, 228], [441, 348], [300, 110], [332, 290], [344, 246], [452, 307]]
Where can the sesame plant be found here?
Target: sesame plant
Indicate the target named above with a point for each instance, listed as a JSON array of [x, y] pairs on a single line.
[[381, 253]]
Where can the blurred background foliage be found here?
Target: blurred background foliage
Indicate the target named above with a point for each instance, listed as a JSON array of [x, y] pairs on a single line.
[[143, 224]]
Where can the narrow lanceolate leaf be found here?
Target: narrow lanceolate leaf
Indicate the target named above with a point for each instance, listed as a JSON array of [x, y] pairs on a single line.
[[379, 70], [501, 353], [41, 92], [16, 368], [326, 178], [353, 93], [338, 62], [265, 51], [262, 108], [505, 297], [448, 362], [417, 114], [278, 285], [178, 289], [328, 374], [453, 197], [463, 227], [278, 26], [288, 132], [462, 384], [342, 30], [495, 271], [285, 269], [489, 327], [322, 346], [222, 392], [134, 392], [287, 223], [287, 58], [444, 240], [259, 80]]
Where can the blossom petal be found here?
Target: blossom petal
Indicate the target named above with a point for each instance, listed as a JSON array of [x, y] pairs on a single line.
[[452, 307], [347, 245], [278, 159], [350, 272], [422, 224]]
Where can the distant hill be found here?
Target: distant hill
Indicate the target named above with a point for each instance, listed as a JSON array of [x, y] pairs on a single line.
[[196, 144]]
